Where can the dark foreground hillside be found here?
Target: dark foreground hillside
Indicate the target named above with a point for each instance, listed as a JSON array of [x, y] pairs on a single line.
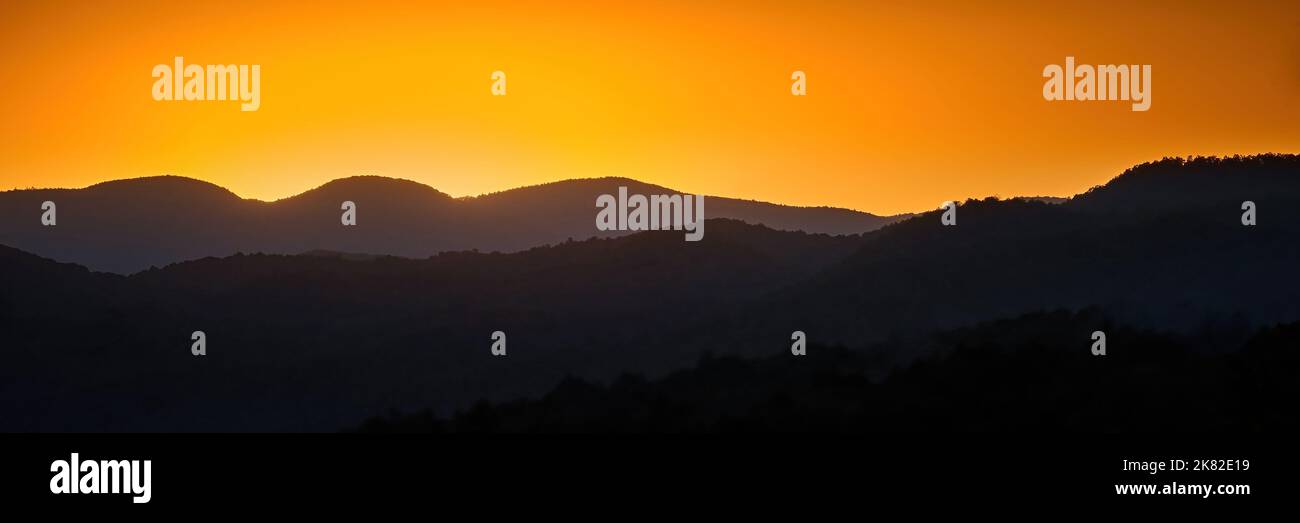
[[1034, 373], [314, 342]]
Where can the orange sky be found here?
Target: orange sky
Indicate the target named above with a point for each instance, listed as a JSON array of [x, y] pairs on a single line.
[[908, 104]]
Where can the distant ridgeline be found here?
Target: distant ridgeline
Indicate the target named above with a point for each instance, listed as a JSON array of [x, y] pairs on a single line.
[[128, 226]]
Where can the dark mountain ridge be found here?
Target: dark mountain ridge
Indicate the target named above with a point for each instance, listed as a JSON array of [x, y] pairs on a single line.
[[318, 342], [1175, 258], [356, 334]]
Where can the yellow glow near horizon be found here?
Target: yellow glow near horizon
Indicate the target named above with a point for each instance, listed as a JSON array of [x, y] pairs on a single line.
[[909, 104]]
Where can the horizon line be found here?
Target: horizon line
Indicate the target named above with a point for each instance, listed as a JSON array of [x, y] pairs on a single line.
[[499, 191], [562, 180]]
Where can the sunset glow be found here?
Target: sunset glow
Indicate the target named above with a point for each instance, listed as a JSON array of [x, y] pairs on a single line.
[[908, 105]]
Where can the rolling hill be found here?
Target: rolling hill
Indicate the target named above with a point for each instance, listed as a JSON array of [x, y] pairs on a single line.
[[126, 226]]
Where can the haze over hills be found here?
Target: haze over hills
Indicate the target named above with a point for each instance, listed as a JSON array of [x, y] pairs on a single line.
[[126, 226], [319, 342]]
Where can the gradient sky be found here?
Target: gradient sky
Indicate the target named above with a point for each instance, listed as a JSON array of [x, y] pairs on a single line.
[[909, 103]]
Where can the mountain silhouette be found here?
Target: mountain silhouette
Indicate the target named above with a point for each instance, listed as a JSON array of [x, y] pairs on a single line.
[[321, 341], [314, 341], [1161, 246], [126, 226]]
